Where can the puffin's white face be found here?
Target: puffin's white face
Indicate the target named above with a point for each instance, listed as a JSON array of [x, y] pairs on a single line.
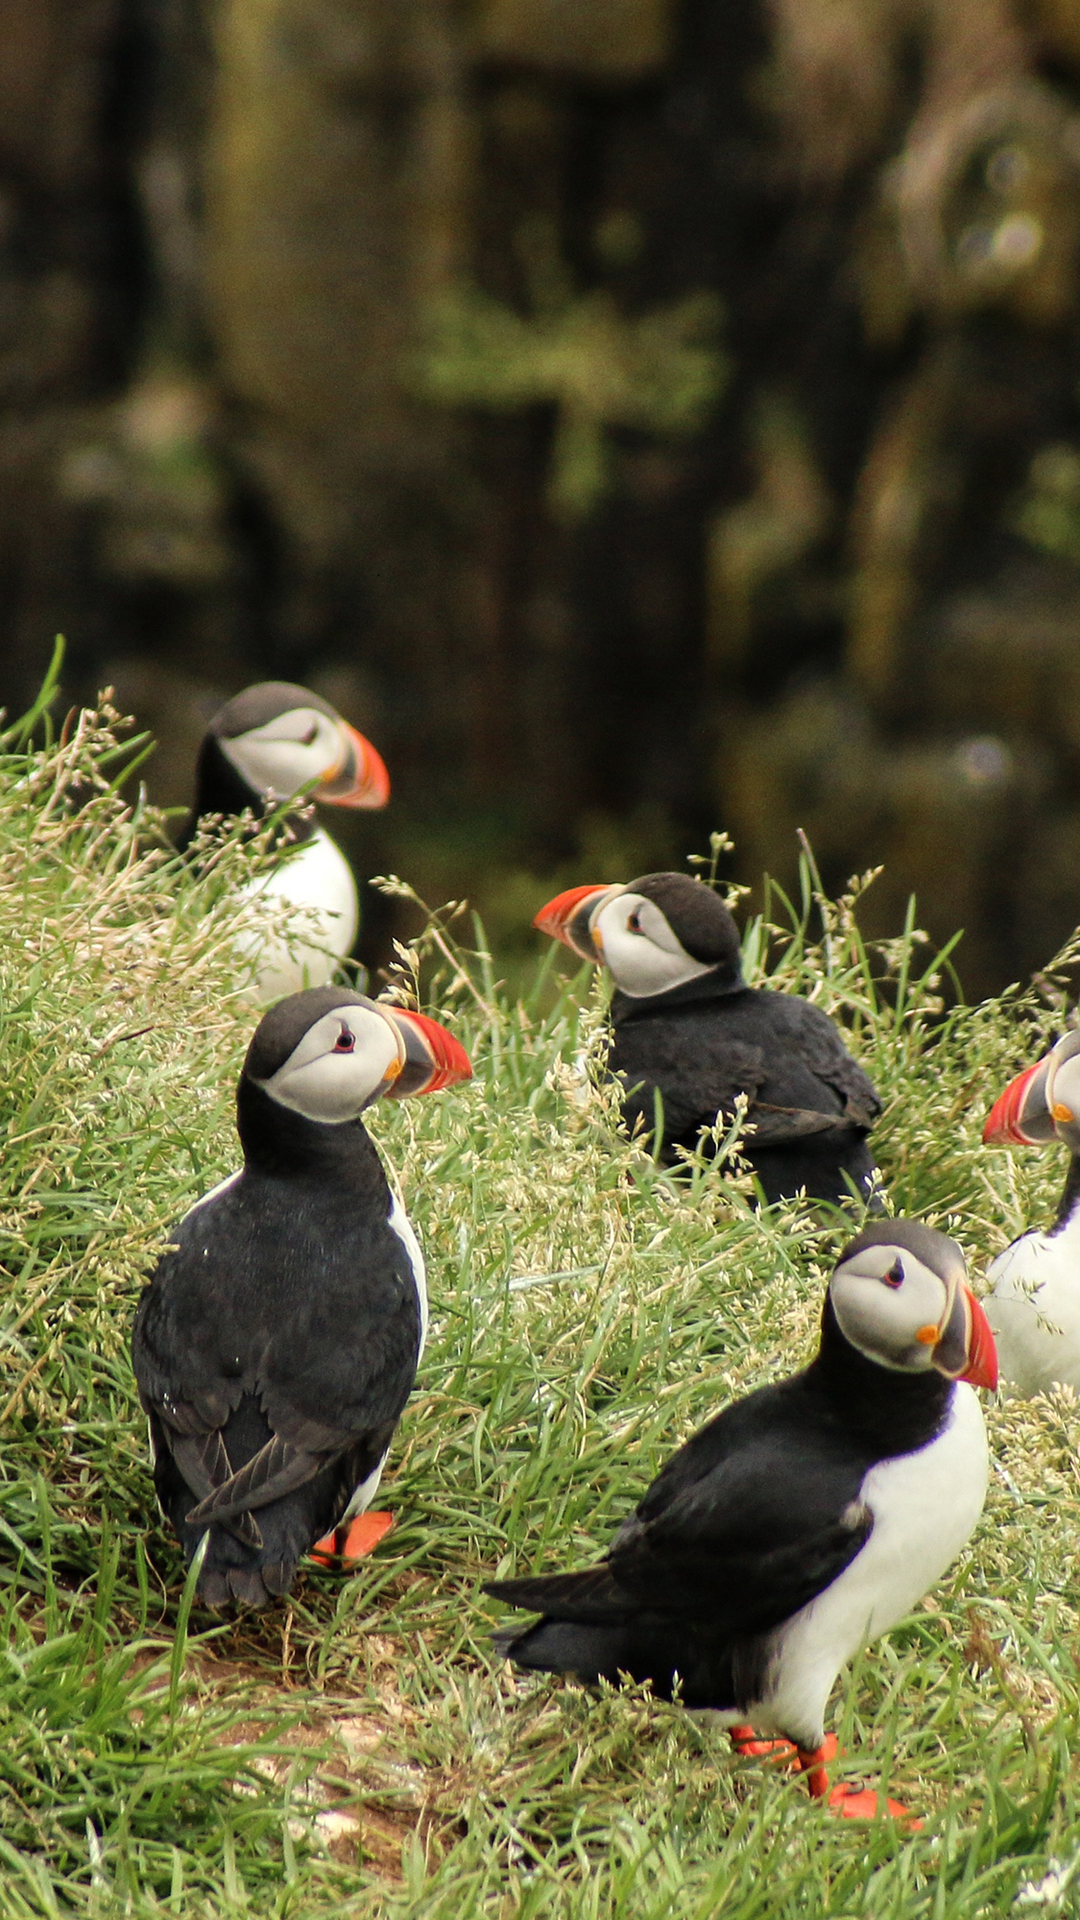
[[642, 954], [891, 1307], [343, 1062], [288, 753], [1063, 1089]]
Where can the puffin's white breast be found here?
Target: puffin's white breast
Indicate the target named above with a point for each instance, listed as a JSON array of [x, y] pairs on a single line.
[[1034, 1310], [364, 1494], [223, 1186], [317, 879], [925, 1506], [402, 1226]]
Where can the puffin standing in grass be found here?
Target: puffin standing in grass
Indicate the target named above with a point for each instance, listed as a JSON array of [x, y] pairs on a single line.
[[273, 742], [687, 1027], [1034, 1300], [278, 1339], [802, 1522]]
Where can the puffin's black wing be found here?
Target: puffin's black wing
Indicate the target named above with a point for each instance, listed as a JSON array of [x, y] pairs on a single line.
[[729, 1585], [824, 1052], [201, 1350], [783, 1053], [696, 1081], [747, 1523], [189, 1426], [277, 1469], [776, 1126], [299, 1447]]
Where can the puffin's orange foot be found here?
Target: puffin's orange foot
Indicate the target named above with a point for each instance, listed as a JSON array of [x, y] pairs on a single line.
[[747, 1745], [815, 1766], [851, 1803], [862, 1803], [349, 1543]]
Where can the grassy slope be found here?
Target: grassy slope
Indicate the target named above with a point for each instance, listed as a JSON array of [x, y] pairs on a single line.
[[359, 1751]]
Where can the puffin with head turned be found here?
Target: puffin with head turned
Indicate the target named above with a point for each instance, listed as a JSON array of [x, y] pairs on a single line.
[[687, 1027], [1034, 1299], [269, 745], [801, 1523], [278, 1340]]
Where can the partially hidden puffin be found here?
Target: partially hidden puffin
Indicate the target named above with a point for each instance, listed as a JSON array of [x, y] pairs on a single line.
[[279, 1337], [271, 743], [1034, 1300], [801, 1523], [687, 1026]]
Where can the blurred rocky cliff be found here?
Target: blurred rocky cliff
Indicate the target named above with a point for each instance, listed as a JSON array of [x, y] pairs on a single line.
[[639, 416]]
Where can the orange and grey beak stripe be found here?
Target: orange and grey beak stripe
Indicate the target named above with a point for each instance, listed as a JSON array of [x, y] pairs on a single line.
[[1021, 1116], [430, 1057], [964, 1347], [360, 778], [567, 918]]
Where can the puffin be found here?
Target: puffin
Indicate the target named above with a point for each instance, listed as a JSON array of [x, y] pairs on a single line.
[[801, 1523], [278, 1339], [1034, 1300], [268, 745], [686, 1026]]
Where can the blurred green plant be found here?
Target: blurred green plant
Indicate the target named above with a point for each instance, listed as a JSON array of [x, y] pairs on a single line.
[[657, 373], [1047, 511]]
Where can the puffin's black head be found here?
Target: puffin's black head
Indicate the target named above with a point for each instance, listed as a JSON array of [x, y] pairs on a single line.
[[655, 934], [900, 1297], [274, 740], [328, 1053]]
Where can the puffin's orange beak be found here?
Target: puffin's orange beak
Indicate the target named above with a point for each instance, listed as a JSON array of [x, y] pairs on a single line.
[[982, 1361], [360, 779], [963, 1345], [1007, 1124], [433, 1057], [565, 917]]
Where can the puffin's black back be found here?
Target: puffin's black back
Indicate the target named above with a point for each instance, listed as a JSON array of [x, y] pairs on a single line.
[[704, 1043], [288, 1306]]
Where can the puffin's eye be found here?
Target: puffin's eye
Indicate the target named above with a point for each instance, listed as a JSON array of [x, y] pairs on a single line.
[[633, 925], [345, 1042], [309, 737], [895, 1275]]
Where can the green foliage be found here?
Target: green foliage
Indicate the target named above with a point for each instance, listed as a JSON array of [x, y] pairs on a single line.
[[1047, 511], [359, 1751], [658, 373]]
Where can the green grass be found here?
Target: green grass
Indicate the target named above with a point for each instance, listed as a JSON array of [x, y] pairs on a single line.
[[359, 1751]]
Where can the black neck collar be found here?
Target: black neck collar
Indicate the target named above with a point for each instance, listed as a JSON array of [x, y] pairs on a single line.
[[714, 985], [286, 1145], [888, 1412], [1070, 1197]]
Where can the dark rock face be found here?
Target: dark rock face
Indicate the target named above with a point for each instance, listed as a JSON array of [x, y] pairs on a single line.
[[66, 292], [629, 454]]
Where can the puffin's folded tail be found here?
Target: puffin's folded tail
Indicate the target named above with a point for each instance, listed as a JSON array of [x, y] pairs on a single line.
[[591, 1597], [584, 1650]]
